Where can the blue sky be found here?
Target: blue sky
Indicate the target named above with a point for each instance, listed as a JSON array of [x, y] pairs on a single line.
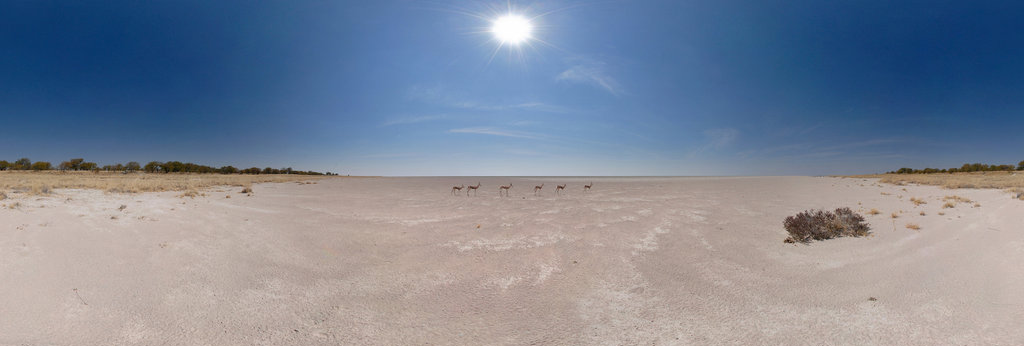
[[604, 88]]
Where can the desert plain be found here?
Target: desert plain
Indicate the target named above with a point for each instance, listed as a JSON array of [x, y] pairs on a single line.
[[402, 261]]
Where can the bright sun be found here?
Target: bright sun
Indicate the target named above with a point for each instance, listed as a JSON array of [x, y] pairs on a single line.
[[512, 29]]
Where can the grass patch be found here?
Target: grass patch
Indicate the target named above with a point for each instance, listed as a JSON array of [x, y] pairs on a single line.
[[874, 211], [42, 183], [917, 201], [820, 225], [913, 226]]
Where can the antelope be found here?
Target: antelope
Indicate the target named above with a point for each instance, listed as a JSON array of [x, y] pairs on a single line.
[[473, 188], [559, 188], [506, 188], [587, 187], [537, 189], [457, 188]]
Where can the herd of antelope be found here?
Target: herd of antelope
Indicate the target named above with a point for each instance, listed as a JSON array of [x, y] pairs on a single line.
[[506, 190]]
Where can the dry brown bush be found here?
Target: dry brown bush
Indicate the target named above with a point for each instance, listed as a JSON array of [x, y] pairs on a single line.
[[913, 226], [820, 224], [874, 212]]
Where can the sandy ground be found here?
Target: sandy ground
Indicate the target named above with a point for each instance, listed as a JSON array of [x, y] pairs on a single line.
[[399, 261]]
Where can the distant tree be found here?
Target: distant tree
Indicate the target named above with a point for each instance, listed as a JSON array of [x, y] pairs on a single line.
[[76, 164], [132, 166], [88, 166], [228, 170], [1020, 166], [153, 166], [64, 166], [108, 168], [173, 166], [4, 165], [41, 166], [22, 164]]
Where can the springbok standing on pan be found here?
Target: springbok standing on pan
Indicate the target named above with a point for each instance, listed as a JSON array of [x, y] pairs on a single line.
[[505, 189], [456, 188], [537, 189], [587, 187], [473, 188]]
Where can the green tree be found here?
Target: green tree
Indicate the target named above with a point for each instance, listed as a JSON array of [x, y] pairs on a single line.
[[228, 170], [88, 166], [153, 166], [76, 164], [132, 166], [41, 166], [1020, 166], [4, 165], [22, 164]]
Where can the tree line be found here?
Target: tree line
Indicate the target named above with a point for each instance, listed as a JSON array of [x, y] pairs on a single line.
[[79, 164], [967, 167]]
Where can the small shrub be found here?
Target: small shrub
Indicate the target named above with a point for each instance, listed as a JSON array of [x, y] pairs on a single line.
[[976, 205], [874, 212], [941, 213], [913, 226], [895, 215], [949, 205], [247, 190], [3, 196], [820, 224], [922, 213], [956, 199], [917, 201]]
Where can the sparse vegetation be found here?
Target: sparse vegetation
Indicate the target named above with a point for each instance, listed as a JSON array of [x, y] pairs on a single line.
[[819, 225], [922, 213], [913, 226], [895, 215], [976, 180], [39, 183], [949, 205], [917, 201], [874, 212]]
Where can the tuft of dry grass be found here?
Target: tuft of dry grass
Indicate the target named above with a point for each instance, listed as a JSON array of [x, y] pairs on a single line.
[[42, 183], [922, 213], [3, 196], [246, 190], [913, 226], [917, 201], [941, 213], [874, 212], [977, 205], [895, 215], [956, 199], [949, 205]]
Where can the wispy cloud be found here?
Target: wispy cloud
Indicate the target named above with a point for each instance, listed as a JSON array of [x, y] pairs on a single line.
[[593, 73], [717, 139], [440, 96], [496, 132], [413, 120]]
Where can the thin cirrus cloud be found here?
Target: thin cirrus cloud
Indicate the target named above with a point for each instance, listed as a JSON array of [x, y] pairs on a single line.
[[414, 120], [592, 73], [496, 132], [439, 95]]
